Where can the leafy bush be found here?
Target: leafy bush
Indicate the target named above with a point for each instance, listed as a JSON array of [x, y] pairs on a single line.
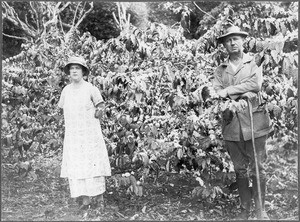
[[161, 113]]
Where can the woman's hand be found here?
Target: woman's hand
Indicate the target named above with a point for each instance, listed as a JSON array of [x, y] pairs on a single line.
[[99, 110], [98, 113]]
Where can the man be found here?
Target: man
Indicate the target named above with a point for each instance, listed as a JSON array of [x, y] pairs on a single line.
[[240, 78]]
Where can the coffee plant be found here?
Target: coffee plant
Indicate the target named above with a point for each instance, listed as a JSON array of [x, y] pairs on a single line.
[[161, 113]]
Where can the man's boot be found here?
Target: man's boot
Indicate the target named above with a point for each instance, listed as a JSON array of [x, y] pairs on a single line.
[[245, 197], [264, 215]]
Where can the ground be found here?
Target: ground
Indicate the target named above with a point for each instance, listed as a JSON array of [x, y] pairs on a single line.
[[46, 196]]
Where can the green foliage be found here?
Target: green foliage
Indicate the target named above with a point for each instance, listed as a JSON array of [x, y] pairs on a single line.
[[161, 113]]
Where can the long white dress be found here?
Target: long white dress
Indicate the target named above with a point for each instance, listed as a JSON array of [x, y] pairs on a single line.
[[85, 159]]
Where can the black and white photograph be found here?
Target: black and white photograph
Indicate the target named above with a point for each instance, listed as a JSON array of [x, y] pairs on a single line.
[[158, 111]]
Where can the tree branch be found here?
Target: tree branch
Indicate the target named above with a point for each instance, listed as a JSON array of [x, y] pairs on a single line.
[[73, 23], [61, 24], [10, 14], [82, 10], [85, 14], [28, 25], [45, 16], [15, 37], [66, 25], [203, 10], [36, 16], [64, 7], [119, 12], [55, 14], [116, 20], [123, 22]]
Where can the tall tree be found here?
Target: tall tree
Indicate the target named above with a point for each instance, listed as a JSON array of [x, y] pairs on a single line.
[[38, 18]]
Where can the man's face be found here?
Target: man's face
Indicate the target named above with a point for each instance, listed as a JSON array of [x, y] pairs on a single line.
[[233, 44]]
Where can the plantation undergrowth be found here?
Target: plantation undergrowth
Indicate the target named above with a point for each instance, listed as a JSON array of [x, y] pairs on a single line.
[[162, 121], [46, 196]]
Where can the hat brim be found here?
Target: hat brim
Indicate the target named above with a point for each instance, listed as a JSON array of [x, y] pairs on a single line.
[[67, 68], [222, 37]]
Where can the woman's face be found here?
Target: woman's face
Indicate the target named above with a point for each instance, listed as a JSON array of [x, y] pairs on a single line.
[[234, 44], [76, 72]]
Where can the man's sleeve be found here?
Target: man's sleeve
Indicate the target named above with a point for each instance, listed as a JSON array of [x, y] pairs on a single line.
[[251, 84], [217, 81]]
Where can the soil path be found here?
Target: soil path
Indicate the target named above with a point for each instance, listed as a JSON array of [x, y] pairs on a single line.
[[46, 198]]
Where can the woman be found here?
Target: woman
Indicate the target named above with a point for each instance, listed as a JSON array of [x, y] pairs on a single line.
[[85, 160]]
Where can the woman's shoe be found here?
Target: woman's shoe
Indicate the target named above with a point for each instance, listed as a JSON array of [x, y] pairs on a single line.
[[99, 198], [98, 204], [99, 201], [78, 200], [85, 203]]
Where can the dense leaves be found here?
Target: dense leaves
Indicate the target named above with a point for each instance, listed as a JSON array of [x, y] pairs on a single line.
[[46, 196], [161, 116]]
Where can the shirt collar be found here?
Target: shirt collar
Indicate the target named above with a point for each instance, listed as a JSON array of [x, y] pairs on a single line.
[[246, 58]]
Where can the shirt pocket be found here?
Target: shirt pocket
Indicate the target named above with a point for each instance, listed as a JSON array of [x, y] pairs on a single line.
[[227, 80], [245, 74], [261, 120]]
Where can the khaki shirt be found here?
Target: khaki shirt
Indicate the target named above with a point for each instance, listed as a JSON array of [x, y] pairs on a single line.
[[246, 78]]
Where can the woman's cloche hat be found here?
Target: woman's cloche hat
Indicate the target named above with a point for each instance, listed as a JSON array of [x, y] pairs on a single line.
[[231, 30], [76, 60]]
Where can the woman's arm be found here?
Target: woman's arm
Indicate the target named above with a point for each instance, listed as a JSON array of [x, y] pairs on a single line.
[[61, 101], [98, 102], [99, 110]]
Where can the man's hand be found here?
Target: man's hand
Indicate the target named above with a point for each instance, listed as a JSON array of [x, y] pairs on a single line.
[[223, 93], [249, 95]]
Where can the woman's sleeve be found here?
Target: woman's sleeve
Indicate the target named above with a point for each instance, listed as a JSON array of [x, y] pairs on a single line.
[[96, 96], [61, 99]]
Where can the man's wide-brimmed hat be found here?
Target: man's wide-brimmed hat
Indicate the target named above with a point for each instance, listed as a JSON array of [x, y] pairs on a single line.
[[76, 60], [231, 30]]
